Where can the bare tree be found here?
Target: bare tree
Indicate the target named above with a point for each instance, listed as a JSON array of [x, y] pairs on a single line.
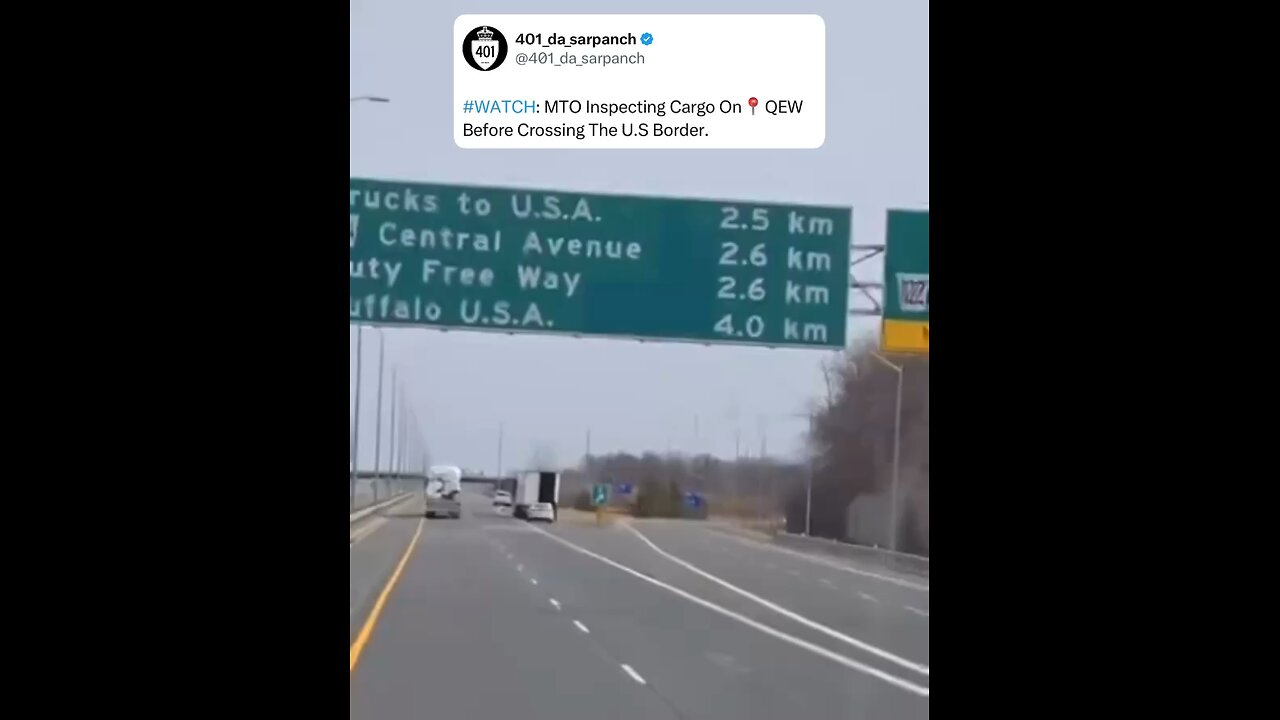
[[853, 446]]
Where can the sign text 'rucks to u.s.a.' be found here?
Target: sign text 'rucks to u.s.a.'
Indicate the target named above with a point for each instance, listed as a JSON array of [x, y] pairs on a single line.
[[648, 268]]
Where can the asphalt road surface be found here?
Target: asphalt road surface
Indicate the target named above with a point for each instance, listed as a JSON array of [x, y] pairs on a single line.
[[491, 617]]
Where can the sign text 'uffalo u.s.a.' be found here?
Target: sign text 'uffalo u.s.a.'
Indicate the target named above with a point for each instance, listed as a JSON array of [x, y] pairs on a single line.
[[608, 265]]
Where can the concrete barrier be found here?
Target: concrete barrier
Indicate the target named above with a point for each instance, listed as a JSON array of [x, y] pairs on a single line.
[[901, 562], [365, 512]]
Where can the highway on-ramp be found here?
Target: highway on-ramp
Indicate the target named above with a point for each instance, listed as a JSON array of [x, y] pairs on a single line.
[[489, 617]]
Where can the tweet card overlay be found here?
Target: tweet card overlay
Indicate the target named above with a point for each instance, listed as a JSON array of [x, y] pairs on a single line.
[[640, 81]]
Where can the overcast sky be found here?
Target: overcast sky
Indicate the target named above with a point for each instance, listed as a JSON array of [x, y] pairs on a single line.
[[547, 391]]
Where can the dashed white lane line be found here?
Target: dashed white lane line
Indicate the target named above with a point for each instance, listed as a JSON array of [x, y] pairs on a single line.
[[510, 556], [581, 627], [634, 675], [795, 573], [555, 603], [827, 582], [519, 568], [761, 627], [830, 632], [917, 611], [533, 580], [867, 597]]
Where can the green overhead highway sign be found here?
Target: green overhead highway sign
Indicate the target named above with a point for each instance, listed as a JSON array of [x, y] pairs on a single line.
[[906, 282], [481, 258]]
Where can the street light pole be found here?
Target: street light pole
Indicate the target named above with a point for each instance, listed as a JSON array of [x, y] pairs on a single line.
[[808, 483], [377, 435], [897, 445], [391, 426], [355, 449], [405, 423], [400, 432], [499, 450]]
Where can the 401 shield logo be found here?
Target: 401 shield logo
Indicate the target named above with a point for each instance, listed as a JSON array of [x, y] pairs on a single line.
[[484, 48]]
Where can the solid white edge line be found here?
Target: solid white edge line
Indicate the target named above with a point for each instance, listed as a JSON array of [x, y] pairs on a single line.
[[836, 565], [772, 632], [366, 530], [581, 627], [634, 675], [861, 645], [917, 611]]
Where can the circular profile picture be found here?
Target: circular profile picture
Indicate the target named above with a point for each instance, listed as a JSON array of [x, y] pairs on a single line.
[[484, 48]]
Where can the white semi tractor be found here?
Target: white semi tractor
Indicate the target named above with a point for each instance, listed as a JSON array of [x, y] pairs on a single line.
[[537, 495], [441, 491]]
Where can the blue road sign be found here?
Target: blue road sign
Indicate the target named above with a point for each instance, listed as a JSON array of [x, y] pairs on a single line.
[[623, 488], [692, 499]]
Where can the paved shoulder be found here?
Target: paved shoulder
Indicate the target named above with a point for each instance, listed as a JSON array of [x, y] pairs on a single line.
[[377, 544]]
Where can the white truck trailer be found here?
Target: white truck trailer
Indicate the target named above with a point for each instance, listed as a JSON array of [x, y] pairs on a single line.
[[441, 491], [537, 495]]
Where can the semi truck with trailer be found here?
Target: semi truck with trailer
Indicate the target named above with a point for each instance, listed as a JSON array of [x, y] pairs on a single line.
[[537, 495]]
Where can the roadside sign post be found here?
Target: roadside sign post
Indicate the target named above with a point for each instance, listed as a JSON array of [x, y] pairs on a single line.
[[599, 498], [599, 494], [693, 500]]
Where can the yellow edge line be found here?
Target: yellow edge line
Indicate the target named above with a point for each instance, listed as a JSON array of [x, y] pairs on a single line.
[[358, 646]]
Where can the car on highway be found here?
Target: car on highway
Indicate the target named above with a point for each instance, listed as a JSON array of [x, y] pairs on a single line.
[[541, 511], [502, 498]]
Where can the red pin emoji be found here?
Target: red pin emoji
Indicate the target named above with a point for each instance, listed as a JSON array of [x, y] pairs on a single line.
[[753, 103]]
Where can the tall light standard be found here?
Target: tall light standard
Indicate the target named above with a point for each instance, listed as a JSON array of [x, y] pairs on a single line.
[[355, 450], [500, 428], [391, 424], [808, 481], [377, 435], [897, 443]]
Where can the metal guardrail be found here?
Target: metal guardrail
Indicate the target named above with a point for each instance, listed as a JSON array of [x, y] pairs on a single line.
[[902, 562]]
